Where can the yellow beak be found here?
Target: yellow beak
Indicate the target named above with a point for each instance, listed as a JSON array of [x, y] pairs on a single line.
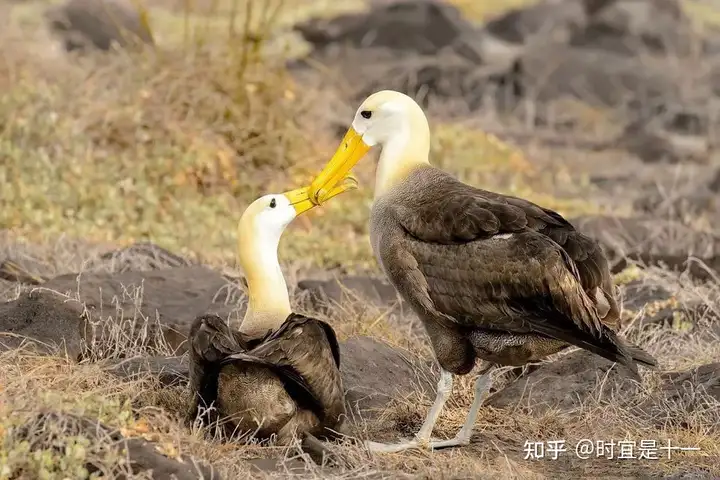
[[300, 197], [350, 152]]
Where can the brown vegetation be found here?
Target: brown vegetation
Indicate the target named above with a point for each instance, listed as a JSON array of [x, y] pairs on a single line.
[[169, 144]]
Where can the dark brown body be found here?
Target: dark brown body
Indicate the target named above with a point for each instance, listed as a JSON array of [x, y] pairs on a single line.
[[495, 277], [287, 382]]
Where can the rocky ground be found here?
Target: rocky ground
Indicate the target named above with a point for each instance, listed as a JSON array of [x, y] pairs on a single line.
[[115, 202]]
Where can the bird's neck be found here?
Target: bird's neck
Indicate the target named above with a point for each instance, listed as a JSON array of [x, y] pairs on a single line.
[[269, 302], [401, 154]]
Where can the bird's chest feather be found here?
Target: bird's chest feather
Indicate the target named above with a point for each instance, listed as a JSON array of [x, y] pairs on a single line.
[[382, 237]]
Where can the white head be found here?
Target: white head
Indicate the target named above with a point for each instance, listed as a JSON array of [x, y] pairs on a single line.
[[259, 231], [387, 118], [386, 115], [263, 223]]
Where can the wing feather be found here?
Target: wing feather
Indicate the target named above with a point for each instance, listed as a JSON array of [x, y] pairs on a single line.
[[290, 351], [525, 284], [450, 212], [456, 262], [294, 383], [301, 346]]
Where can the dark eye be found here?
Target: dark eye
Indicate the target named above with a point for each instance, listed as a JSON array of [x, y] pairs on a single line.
[[273, 203], [366, 114]]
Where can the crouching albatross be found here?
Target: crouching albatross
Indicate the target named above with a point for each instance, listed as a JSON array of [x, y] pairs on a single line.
[[490, 276], [279, 374]]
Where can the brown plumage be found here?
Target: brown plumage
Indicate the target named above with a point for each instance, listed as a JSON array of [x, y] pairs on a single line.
[[285, 383], [491, 276], [279, 373]]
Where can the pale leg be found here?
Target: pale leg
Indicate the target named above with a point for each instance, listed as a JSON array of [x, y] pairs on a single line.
[[444, 387], [482, 389]]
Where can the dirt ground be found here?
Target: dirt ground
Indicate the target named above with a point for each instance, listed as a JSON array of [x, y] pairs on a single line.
[[123, 173]]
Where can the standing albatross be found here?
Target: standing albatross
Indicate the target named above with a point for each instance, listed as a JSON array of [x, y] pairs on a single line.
[[490, 276], [279, 374]]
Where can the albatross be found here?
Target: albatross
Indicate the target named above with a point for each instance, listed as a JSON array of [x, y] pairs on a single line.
[[279, 373], [490, 276]]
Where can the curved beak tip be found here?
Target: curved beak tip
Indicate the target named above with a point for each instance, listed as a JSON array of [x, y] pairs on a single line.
[[350, 183], [346, 184]]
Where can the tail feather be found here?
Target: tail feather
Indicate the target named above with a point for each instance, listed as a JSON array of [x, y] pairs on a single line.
[[607, 345], [617, 350], [641, 356]]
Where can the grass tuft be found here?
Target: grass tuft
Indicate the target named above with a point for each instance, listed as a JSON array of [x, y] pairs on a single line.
[[169, 145]]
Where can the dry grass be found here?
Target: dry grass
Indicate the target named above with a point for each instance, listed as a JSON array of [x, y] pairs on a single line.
[[33, 385], [170, 146]]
